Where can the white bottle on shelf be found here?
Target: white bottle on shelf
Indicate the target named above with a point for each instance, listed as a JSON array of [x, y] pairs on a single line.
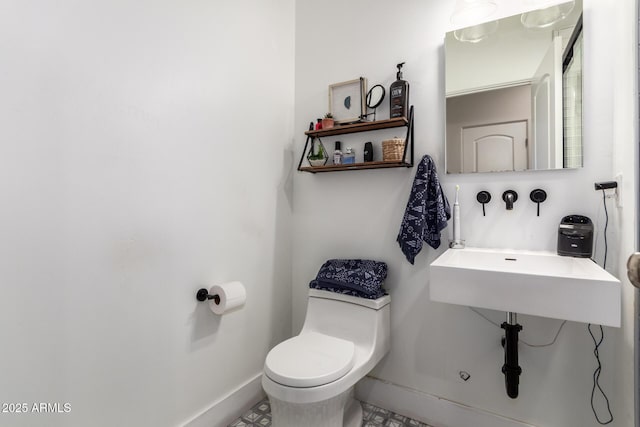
[[337, 154]]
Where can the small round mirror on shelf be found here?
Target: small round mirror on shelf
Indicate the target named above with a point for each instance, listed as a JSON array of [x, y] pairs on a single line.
[[374, 99], [375, 96]]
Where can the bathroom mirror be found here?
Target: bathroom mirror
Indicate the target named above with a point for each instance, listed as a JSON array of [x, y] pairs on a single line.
[[514, 95]]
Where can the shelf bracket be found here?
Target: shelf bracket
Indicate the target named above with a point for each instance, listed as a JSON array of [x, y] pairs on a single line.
[[409, 139], [306, 144]]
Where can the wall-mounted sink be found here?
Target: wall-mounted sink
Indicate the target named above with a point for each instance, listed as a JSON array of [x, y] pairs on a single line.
[[528, 282]]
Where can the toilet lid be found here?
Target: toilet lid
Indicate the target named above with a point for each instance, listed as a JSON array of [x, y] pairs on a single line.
[[310, 359]]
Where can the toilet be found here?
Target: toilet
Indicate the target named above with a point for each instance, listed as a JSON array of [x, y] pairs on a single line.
[[310, 378]]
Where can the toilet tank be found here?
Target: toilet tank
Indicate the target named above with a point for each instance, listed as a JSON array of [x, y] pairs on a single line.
[[363, 321]]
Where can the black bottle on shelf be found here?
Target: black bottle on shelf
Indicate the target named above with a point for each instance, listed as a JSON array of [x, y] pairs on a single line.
[[399, 96]]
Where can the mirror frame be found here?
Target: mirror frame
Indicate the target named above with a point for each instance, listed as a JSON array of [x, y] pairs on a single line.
[[370, 95]]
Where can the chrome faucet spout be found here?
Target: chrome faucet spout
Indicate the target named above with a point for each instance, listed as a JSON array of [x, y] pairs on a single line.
[[509, 198]]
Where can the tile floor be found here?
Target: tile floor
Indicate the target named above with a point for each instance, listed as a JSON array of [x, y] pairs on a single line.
[[260, 416]]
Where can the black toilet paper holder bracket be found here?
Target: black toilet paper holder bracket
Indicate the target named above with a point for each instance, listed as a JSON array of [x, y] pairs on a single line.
[[203, 295]]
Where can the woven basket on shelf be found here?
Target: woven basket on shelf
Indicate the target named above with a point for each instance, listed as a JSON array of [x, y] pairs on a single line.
[[393, 149]]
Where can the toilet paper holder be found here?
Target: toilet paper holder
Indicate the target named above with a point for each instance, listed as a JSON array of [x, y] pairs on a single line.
[[203, 295]]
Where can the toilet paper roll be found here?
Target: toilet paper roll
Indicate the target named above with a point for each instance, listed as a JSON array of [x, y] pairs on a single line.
[[232, 296]]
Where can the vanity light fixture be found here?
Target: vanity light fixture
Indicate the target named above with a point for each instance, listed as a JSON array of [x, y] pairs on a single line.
[[546, 13], [476, 33], [469, 12]]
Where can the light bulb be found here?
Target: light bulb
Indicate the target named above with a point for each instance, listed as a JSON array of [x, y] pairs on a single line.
[[468, 12], [546, 17]]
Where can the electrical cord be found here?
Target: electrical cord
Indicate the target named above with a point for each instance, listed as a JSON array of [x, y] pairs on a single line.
[[549, 344], [597, 342], [596, 377]]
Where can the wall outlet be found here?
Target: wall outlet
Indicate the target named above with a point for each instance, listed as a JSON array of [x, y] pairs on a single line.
[[618, 179]]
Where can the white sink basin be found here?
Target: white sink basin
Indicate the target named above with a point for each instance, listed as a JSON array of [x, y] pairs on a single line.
[[537, 283]]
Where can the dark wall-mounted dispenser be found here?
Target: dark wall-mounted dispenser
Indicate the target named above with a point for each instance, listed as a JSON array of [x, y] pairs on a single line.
[[575, 236]]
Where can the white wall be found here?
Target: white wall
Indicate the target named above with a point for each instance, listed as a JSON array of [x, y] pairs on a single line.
[[144, 153], [357, 214]]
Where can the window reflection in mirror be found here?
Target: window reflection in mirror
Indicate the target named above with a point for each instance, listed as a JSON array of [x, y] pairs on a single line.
[[514, 98]]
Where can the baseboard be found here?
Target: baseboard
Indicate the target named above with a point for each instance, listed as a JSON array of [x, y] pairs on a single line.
[[427, 408], [223, 411]]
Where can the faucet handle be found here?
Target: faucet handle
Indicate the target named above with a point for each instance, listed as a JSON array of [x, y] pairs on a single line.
[[483, 197], [538, 196]]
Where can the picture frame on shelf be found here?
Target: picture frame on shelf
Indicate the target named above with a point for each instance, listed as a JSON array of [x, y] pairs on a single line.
[[347, 101]]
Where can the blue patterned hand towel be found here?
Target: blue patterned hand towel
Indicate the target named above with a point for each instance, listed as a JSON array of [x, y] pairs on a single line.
[[427, 211], [357, 277]]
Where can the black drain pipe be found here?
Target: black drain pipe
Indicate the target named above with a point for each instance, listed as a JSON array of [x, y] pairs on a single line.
[[510, 369]]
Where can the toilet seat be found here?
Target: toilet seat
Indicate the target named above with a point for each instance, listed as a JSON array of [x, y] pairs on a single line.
[[310, 359]]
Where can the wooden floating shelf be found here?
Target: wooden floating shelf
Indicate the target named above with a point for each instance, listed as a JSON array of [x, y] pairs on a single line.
[[356, 166], [359, 127], [398, 122]]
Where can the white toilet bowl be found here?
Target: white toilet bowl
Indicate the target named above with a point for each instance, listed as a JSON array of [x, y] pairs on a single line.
[[310, 378]]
